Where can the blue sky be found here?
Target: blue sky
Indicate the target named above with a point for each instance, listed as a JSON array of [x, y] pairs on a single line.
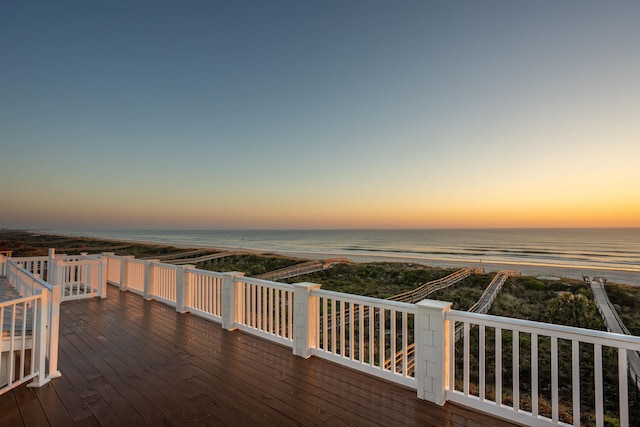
[[236, 114]]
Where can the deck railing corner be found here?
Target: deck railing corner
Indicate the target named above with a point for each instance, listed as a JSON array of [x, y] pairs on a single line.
[[231, 299], [305, 317], [182, 288], [433, 339]]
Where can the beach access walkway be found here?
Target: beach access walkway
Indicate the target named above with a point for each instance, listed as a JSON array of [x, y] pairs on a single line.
[[614, 324]]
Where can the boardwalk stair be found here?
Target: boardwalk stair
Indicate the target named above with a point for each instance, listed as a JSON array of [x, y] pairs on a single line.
[[482, 306], [428, 288], [488, 296]]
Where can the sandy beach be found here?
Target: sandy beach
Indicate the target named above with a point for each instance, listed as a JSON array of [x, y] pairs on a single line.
[[614, 276], [628, 277], [536, 270]]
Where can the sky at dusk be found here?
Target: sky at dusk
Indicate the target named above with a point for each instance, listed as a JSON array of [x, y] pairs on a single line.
[[326, 114]]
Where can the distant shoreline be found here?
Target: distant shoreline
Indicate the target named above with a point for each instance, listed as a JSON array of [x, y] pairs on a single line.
[[621, 276]]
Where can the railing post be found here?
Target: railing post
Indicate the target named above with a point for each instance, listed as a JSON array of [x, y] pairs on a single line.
[[106, 256], [3, 265], [231, 303], [148, 277], [432, 350], [50, 275], [304, 318], [40, 343], [182, 287], [55, 297], [103, 274], [59, 273], [124, 271]]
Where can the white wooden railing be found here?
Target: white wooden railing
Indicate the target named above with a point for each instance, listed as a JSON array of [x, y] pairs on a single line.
[[79, 276], [204, 295], [35, 265], [265, 309], [519, 398], [30, 327], [135, 275], [79, 279], [23, 342], [365, 334], [380, 337]]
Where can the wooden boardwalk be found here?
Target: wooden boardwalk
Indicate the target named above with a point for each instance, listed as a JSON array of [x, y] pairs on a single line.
[[615, 324], [126, 361]]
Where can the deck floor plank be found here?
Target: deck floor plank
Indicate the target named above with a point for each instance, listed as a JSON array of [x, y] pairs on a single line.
[[9, 410], [125, 360], [52, 405], [152, 414], [137, 351], [31, 410]]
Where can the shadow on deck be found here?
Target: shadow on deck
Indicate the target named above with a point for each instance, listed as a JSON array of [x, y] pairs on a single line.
[[126, 361]]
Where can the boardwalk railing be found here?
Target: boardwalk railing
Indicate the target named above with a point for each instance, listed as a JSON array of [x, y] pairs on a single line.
[[615, 324], [428, 288], [491, 292], [30, 327], [488, 297], [514, 369], [202, 259], [293, 270]]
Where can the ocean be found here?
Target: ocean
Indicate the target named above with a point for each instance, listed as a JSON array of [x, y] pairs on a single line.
[[613, 252]]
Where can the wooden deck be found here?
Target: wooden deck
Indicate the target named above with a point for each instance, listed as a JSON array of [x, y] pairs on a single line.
[[126, 361]]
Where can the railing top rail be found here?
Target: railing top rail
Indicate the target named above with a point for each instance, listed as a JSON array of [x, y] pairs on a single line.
[[205, 272], [83, 261], [262, 282], [113, 255], [29, 258], [165, 265], [384, 303], [88, 256], [548, 329], [20, 300]]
